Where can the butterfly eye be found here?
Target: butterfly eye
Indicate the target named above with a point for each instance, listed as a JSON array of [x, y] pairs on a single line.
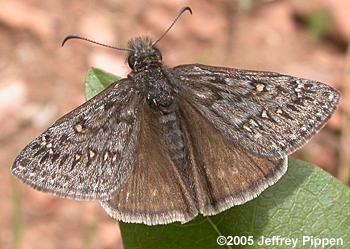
[[131, 61]]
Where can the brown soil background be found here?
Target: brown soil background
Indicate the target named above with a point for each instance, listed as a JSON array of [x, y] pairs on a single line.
[[40, 81]]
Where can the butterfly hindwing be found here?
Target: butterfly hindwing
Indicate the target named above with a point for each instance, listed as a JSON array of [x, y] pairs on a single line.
[[157, 192], [88, 153], [264, 113], [224, 176]]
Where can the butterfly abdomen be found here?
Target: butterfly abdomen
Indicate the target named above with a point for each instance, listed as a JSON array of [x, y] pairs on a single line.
[[173, 136], [174, 139]]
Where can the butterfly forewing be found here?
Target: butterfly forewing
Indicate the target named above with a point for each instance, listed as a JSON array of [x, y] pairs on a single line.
[[88, 153], [264, 113]]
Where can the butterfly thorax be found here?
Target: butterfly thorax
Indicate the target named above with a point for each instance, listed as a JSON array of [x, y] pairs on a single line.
[[149, 75], [155, 89]]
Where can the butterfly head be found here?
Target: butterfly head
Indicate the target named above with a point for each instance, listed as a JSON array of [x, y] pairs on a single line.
[[143, 54]]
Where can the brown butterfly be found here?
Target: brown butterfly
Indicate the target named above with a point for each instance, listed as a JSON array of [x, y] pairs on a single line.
[[165, 144]]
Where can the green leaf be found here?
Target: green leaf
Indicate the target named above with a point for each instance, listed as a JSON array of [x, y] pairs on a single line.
[[306, 202], [97, 80], [244, 5], [318, 24]]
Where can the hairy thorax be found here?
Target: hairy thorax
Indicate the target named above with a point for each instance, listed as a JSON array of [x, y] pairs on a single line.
[[154, 87]]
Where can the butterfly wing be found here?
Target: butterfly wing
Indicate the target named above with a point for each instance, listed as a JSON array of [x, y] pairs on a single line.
[[158, 191], [223, 175], [88, 153], [264, 113], [213, 175]]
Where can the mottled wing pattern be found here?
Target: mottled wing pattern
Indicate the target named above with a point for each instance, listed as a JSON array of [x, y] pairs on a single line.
[[88, 153], [224, 176], [157, 192], [264, 113]]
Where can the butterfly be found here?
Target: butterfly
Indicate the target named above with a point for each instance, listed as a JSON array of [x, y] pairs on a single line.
[[165, 144]]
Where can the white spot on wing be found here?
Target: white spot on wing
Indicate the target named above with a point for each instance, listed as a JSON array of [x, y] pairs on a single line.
[[77, 157], [92, 154], [78, 128], [264, 114], [260, 87], [247, 128]]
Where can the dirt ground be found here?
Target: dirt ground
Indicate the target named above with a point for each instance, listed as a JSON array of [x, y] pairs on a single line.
[[40, 81]]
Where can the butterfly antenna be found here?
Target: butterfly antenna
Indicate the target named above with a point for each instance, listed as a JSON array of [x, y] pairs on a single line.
[[172, 24], [70, 37]]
